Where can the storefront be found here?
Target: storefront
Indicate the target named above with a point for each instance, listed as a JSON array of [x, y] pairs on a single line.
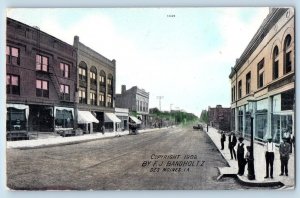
[[86, 120], [41, 118], [112, 122], [122, 114], [64, 118], [17, 117]]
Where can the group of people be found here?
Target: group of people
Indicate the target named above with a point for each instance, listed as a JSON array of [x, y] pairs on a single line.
[[243, 156]]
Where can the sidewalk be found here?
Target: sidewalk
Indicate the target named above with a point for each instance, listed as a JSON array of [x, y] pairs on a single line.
[[54, 140], [259, 164]]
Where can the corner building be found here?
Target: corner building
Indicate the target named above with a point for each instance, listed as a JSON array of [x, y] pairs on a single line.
[[263, 79], [95, 90], [40, 80]]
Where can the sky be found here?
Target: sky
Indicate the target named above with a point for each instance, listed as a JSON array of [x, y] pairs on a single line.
[[182, 54]]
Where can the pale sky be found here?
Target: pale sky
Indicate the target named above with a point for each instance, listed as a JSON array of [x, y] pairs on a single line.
[[186, 58]]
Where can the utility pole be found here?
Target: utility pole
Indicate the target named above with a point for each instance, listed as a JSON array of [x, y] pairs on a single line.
[[159, 98]]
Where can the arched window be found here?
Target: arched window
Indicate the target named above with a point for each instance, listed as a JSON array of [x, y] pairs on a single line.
[[93, 76], [102, 88], [82, 71], [287, 67], [275, 63], [110, 90]]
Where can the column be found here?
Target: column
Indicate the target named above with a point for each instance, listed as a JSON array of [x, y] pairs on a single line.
[[91, 127], [269, 117]]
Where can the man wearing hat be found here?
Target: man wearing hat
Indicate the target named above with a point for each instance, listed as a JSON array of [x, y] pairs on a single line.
[[231, 144], [241, 156], [284, 150], [269, 155]]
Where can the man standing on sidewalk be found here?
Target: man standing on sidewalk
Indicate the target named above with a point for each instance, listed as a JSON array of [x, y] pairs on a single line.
[[269, 155], [284, 150], [223, 139], [231, 144], [241, 156]]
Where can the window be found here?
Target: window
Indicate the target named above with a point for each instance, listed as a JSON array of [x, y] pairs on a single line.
[[240, 119], [102, 78], [240, 89], [93, 78], [287, 54], [12, 84], [260, 74], [93, 100], [82, 96], [109, 100], [233, 93], [12, 55], [42, 88], [261, 119], [275, 63], [64, 119], [15, 119], [248, 83], [102, 99], [65, 70], [82, 74], [65, 92], [42, 63]]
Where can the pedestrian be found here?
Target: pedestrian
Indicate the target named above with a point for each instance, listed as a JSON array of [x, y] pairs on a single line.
[[241, 156], [287, 136], [269, 155], [223, 139], [231, 144], [284, 150], [103, 129]]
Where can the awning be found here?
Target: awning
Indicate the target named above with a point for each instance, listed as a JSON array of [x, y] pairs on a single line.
[[134, 119], [20, 107], [86, 117], [110, 117]]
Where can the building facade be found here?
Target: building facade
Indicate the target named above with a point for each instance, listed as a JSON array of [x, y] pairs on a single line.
[[263, 79], [40, 80], [136, 100], [219, 117], [95, 89]]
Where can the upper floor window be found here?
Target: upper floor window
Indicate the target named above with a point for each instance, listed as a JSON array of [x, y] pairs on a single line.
[[102, 78], [42, 63], [93, 100], [82, 96], [233, 93], [42, 88], [109, 100], [260, 73], [240, 89], [275, 63], [287, 54], [93, 74], [12, 55], [82, 71], [65, 91], [65, 70], [12, 84], [248, 83], [102, 99]]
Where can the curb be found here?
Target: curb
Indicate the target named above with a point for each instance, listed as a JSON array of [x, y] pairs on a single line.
[[76, 141]]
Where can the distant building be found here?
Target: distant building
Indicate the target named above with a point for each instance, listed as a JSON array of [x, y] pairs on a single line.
[[96, 89], [136, 100], [263, 79], [219, 117], [40, 80]]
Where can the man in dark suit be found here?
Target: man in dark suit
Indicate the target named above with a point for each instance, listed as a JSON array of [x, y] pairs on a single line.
[[223, 139], [241, 156], [284, 150], [231, 144]]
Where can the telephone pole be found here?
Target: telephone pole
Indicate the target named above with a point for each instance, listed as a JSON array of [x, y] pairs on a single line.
[[159, 98]]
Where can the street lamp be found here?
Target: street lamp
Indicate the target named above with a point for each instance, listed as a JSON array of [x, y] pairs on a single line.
[[251, 170]]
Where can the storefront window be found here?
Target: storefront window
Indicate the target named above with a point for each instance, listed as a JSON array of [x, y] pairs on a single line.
[[280, 124], [261, 118], [248, 122], [16, 119], [64, 119], [240, 119]]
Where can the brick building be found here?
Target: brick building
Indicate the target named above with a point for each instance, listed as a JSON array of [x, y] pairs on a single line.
[[96, 89], [40, 80], [136, 100], [219, 117], [263, 79]]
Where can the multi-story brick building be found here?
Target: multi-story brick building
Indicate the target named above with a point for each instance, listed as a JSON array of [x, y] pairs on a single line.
[[219, 117], [262, 80], [40, 80], [136, 100], [96, 89]]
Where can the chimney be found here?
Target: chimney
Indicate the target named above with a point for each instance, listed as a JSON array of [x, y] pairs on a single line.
[[123, 89]]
